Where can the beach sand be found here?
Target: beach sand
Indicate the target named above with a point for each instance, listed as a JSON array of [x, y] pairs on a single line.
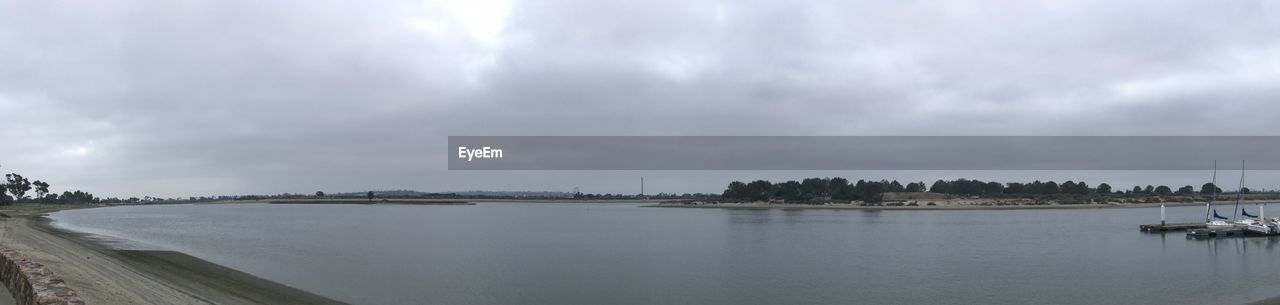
[[101, 275]]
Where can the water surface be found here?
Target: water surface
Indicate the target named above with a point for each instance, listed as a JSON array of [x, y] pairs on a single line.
[[588, 253]]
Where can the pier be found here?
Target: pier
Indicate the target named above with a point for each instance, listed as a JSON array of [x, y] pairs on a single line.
[[1206, 232], [1162, 227]]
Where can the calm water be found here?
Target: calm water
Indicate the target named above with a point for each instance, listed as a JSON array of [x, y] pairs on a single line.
[[541, 253]]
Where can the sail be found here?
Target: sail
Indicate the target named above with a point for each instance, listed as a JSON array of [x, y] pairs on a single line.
[[1246, 213], [1215, 215]]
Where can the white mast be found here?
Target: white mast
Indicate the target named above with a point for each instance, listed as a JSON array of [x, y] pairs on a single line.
[[1239, 191], [1213, 192]]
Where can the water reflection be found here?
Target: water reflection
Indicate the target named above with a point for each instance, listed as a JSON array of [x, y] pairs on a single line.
[[617, 254]]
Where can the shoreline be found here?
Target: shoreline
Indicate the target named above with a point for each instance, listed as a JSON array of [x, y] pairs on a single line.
[[100, 274], [765, 206]]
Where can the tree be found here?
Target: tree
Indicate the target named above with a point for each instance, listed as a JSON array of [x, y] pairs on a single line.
[[370, 195], [1051, 188], [814, 187], [790, 191], [915, 187], [1149, 190], [1082, 188], [871, 191], [1015, 188], [1209, 188], [993, 188], [319, 194], [939, 187], [1069, 187], [79, 197], [1163, 190], [839, 189], [1104, 188], [41, 189], [17, 185], [896, 187], [1186, 190], [735, 190], [1137, 189], [4, 198], [1244, 190], [759, 190]]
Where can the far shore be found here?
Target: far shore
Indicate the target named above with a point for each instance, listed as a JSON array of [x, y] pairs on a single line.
[[367, 201], [846, 206]]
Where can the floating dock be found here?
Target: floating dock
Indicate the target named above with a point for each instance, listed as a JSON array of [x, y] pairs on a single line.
[[1200, 230], [1162, 227], [1217, 232]]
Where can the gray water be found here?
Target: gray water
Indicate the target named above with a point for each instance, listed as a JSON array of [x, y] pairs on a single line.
[[575, 253]]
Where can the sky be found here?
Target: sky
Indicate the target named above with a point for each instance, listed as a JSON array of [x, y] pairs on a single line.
[[194, 98]]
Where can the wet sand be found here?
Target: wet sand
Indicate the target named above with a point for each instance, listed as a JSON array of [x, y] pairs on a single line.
[[102, 275]]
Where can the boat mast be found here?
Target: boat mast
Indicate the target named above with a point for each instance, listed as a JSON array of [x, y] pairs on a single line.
[[1213, 192], [1239, 190]]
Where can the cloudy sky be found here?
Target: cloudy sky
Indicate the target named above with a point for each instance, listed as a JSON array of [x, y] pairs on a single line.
[[179, 98]]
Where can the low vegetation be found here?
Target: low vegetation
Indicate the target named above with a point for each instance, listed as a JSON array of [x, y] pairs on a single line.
[[840, 189], [18, 189]]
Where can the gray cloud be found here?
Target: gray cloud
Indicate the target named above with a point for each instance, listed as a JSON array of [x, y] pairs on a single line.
[[207, 97]]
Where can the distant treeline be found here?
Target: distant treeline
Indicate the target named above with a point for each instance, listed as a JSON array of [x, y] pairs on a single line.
[[407, 194], [16, 188], [871, 191]]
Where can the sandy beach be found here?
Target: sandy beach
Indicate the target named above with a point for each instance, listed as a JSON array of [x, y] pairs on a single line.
[[101, 275]]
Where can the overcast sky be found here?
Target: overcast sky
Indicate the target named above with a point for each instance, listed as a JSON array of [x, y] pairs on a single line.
[[179, 98]]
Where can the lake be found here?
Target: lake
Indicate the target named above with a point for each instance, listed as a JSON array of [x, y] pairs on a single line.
[[612, 253]]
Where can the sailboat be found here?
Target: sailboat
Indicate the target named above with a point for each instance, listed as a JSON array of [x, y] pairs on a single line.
[[1250, 224], [1217, 221]]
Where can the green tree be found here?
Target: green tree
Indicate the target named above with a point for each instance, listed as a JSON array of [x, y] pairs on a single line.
[[1051, 188], [1068, 187], [1163, 190], [940, 187], [791, 191], [896, 187], [370, 195], [735, 190], [319, 194], [41, 189], [993, 188], [1186, 190], [1209, 188], [17, 185], [1149, 190], [871, 191], [839, 189], [814, 187], [1082, 188], [1104, 188], [915, 187], [759, 190], [1015, 188]]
